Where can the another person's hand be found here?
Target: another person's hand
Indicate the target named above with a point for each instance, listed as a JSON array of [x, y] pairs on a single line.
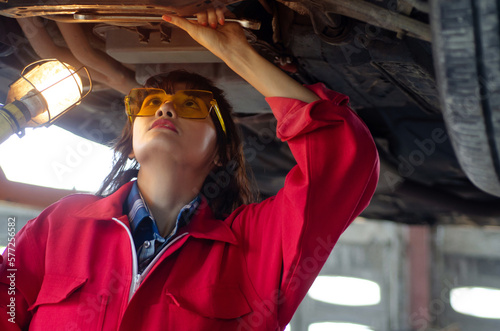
[[212, 17], [225, 40]]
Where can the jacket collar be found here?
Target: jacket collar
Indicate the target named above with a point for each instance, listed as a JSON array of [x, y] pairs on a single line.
[[203, 225], [108, 207]]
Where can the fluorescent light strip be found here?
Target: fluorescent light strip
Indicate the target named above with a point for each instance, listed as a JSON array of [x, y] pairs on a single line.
[[338, 326], [346, 291], [480, 302]]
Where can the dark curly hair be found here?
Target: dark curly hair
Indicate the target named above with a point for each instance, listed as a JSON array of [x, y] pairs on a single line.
[[227, 186]]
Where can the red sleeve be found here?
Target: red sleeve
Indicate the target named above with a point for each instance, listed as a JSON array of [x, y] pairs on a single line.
[[287, 238], [21, 275]]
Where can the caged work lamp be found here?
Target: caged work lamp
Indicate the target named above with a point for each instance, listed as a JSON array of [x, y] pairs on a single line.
[[46, 90]]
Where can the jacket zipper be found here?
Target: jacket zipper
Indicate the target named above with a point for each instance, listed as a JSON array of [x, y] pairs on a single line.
[[136, 277], [140, 277], [151, 264]]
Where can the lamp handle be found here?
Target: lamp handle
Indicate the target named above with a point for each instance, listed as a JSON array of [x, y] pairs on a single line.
[[13, 118]]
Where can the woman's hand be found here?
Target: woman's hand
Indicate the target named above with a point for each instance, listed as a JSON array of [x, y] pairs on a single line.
[[225, 40], [228, 42], [212, 17]]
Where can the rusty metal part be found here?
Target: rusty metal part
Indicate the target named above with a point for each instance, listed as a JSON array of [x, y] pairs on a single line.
[[143, 34], [371, 14], [296, 6], [332, 28], [404, 7], [420, 5], [120, 77], [165, 34]]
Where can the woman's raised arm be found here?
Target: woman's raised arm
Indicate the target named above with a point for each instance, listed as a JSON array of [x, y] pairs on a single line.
[[228, 42]]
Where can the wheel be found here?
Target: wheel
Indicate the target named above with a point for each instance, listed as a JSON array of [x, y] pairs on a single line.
[[466, 51]]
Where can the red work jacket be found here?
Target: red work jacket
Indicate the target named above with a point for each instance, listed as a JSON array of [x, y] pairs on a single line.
[[76, 266]]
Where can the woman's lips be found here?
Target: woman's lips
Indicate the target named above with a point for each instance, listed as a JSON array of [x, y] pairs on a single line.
[[163, 123]]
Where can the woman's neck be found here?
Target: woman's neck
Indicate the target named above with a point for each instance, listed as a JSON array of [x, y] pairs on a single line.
[[166, 191]]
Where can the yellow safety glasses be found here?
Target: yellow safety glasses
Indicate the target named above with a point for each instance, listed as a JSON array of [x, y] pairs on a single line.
[[194, 104]]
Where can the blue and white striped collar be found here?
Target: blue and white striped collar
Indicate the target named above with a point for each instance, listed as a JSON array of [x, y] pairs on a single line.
[[137, 209]]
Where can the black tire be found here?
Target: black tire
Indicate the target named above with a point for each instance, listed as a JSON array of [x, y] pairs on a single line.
[[466, 47]]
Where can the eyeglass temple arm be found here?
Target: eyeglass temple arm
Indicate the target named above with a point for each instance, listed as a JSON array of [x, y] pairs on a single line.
[[127, 109], [219, 115]]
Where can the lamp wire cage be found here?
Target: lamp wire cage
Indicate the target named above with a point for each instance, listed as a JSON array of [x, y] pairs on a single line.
[[73, 72]]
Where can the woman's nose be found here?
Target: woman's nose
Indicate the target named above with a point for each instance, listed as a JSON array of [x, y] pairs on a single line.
[[166, 109]]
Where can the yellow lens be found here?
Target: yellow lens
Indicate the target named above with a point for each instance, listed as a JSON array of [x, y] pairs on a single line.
[[190, 104], [152, 103], [137, 99]]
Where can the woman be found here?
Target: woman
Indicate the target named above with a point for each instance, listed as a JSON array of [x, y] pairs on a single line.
[[171, 251]]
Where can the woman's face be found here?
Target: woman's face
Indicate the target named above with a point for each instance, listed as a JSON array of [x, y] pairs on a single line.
[[189, 142]]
